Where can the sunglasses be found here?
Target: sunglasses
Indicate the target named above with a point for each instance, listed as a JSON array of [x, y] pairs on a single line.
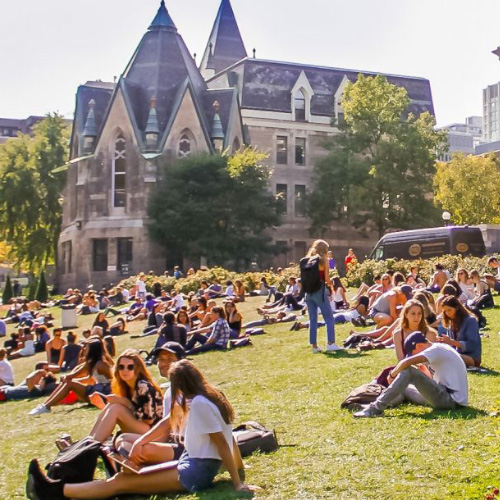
[[130, 368]]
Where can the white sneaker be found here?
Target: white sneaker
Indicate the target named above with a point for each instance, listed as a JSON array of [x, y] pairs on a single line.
[[39, 410], [334, 347], [316, 350]]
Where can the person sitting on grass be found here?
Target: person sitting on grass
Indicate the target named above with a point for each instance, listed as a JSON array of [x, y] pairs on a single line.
[[54, 347], [234, 318], [26, 345], [447, 390], [94, 375], [462, 331], [438, 279], [100, 320], [218, 338], [70, 353], [339, 296], [239, 291], [6, 371], [493, 280], [119, 327], [136, 402], [482, 293], [385, 309], [208, 445], [158, 445]]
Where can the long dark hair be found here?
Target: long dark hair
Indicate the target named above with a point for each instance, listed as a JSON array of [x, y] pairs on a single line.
[[187, 381], [461, 315], [95, 354], [337, 283], [169, 320]]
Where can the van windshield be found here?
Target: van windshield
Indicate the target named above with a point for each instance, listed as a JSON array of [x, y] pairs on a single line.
[[378, 254]]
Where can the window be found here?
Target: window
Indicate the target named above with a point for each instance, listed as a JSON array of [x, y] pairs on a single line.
[[100, 255], [66, 257], [300, 151], [281, 150], [299, 250], [300, 201], [125, 255], [184, 146], [282, 198], [299, 101], [120, 173]]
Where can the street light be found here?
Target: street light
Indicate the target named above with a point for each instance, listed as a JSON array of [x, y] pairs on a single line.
[[446, 217]]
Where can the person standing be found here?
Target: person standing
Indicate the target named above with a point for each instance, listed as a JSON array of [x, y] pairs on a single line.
[[331, 261], [350, 260], [315, 280]]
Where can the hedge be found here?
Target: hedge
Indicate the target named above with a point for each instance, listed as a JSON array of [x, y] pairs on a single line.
[[193, 283], [364, 272]]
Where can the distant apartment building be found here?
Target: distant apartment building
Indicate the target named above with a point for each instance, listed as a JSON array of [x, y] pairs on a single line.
[[9, 127], [491, 116], [463, 137]]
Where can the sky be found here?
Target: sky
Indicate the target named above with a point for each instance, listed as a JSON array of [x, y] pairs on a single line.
[[49, 47]]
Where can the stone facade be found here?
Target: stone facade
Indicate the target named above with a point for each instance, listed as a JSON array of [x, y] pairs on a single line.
[[164, 107]]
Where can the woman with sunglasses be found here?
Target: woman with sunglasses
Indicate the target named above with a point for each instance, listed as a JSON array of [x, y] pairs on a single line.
[[136, 403], [208, 445]]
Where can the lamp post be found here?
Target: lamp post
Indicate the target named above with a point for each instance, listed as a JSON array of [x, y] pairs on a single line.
[[446, 217]]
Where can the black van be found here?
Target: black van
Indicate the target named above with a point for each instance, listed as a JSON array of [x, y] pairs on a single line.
[[432, 242]]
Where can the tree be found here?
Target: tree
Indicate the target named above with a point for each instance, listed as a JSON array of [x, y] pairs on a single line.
[[30, 208], [42, 292], [379, 168], [32, 289], [8, 292], [215, 206], [467, 187]]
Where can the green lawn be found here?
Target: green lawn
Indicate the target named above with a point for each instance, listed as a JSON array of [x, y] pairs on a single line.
[[325, 453]]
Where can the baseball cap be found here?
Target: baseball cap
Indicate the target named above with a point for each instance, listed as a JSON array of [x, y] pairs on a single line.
[[174, 348], [412, 340], [408, 291]]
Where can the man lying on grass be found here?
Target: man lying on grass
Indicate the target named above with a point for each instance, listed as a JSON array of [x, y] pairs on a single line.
[[448, 389]]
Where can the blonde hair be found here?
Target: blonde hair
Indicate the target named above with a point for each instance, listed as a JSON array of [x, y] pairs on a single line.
[[319, 247]]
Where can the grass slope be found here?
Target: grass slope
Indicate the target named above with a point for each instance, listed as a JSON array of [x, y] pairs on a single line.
[[414, 452]]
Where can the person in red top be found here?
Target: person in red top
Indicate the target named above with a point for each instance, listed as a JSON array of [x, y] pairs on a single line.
[[350, 259]]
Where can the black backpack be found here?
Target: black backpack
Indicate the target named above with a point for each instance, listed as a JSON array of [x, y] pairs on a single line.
[[309, 274], [252, 436], [77, 463]]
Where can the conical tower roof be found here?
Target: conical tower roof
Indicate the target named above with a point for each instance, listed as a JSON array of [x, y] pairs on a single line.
[[225, 45], [160, 64]]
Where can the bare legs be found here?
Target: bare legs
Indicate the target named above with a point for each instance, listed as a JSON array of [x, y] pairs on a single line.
[[64, 389], [113, 415], [158, 482]]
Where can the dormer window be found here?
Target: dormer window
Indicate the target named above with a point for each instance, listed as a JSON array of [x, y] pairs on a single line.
[[299, 101]]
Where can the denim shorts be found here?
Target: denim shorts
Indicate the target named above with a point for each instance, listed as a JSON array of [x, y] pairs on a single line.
[[197, 474], [102, 388]]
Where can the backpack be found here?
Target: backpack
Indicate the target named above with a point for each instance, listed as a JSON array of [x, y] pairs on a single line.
[[309, 274], [252, 436], [77, 463], [362, 395]]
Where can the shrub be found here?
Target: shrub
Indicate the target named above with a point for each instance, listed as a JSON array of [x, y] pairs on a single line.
[[42, 292], [8, 292], [192, 283], [364, 272], [32, 289]]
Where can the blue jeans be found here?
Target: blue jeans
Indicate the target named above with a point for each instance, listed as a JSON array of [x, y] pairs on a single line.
[[321, 300]]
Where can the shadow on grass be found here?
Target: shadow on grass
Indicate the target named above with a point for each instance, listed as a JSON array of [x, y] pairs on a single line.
[[468, 413], [344, 354], [484, 372]]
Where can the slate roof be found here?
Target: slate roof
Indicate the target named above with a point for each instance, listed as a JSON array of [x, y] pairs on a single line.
[[101, 93], [225, 45], [226, 99], [267, 85], [160, 64]]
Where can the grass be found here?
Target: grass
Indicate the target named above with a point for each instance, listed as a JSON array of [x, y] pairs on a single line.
[[415, 452]]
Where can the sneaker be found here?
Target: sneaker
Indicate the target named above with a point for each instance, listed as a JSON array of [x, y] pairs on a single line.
[[41, 408], [316, 350], [334, 347], [40, 487], [368, 411]]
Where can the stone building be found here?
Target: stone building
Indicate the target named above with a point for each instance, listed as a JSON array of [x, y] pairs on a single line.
[[165, 107]]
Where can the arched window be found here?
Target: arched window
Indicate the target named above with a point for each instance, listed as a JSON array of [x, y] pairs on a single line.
[[184, 145], [299, 102], [120, 173], [236, 145]]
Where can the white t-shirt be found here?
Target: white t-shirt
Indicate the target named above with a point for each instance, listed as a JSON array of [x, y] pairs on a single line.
[[348, 315], [141, 286], [204, 418], [126, 295], [178, 301], [449, 370], [6, 372]]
